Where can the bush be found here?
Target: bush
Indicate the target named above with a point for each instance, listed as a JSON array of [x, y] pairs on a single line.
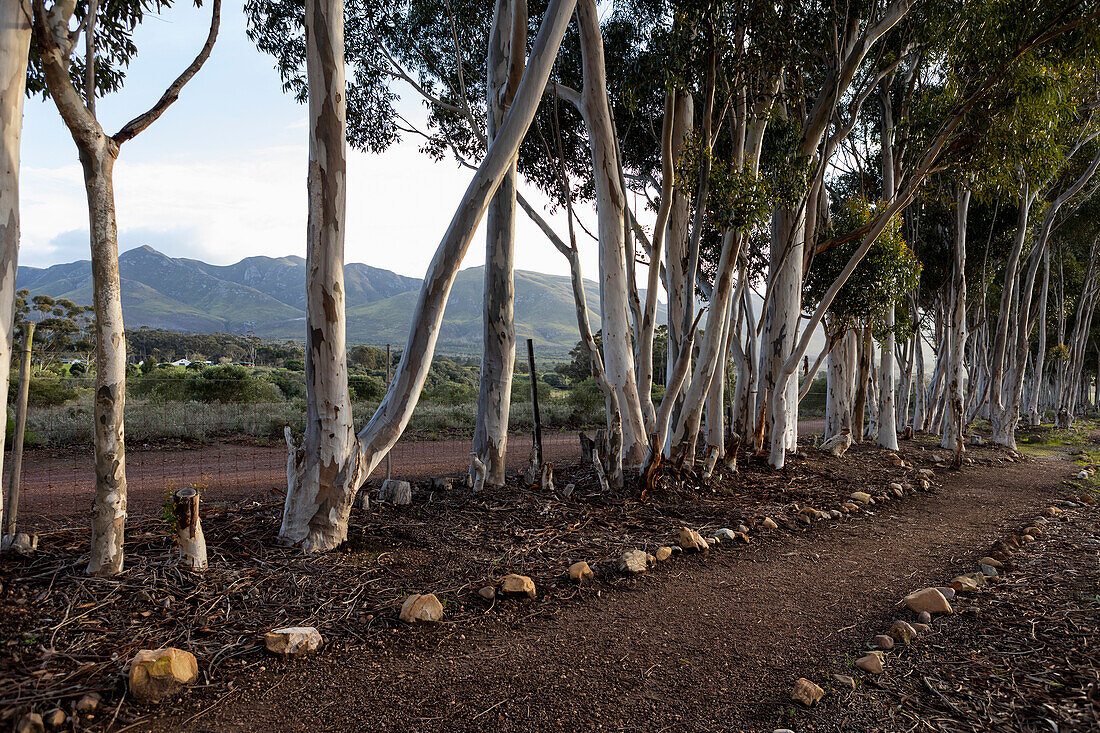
[[364, 388], [586, 399], [231, 383], [450, 393], [291, 384], [45, 391], [294, 365]]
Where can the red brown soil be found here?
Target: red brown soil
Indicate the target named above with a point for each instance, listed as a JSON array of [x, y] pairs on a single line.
[[60, 483], [699, 644]]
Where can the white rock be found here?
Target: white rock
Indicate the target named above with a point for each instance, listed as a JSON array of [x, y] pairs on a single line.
[[725, 534], [159, 673], [419, 608], [293, 641], [634, 561]]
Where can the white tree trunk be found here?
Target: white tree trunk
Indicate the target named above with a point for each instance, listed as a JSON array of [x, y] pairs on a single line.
[[326, 462], [887, 422], [680, 300], [610, 203], [954, 424], [1035, 415], [325, 527], [15, 40], [507, 47], [781, 323]]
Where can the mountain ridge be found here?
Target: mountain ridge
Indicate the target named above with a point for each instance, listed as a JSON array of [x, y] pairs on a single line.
[[266, 296]]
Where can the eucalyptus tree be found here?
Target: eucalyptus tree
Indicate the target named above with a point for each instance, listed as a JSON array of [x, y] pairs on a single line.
[[58, 77], [317, 511], [15, 41]]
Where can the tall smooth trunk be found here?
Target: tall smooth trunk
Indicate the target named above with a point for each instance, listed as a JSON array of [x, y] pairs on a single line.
[[507, 47], [326, 461], [610, 203], [1035, 416], [15, 40], [676, 245], [954, 424]]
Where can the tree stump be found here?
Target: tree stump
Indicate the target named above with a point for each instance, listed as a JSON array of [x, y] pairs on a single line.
[[185, 510]]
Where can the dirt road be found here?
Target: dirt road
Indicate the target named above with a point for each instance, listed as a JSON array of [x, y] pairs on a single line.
[[57, 484], [706, 643]]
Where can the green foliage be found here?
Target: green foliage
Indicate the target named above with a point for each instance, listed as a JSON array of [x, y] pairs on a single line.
[[365, 388], [886, 274], [586, 398], [46, 390]]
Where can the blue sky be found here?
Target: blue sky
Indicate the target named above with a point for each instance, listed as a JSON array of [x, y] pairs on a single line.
[[221, 175]]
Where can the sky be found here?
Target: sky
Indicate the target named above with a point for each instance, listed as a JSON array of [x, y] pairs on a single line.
[[222, 175]]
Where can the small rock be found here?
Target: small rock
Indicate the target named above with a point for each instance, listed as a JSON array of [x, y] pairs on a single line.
[[927, 599], [861, 497], [991, 562], [159, 673], [55, 718], [849, 507], [489, 593], [742, 537], [442, 483], [518, 585], [725, 534], [769, 523], [896, 488], [870, 663], [1027, 538], [88, 703], [845, 681], [712, 541], [634, 561], [835, 514], [948, 593], [926, 473], [804, 519], [742, 529], [568, 490], [663, 553], [922, 628], [924, 617], [882, 641], [924, 484], [689, 539], [1082, 475], [1035, 531], [425, 609], [30, 723], [968, 583], [989, 571], [903, 633], [977, 440], [1053, 511], [580, 572], [806, 692], [293, 641]]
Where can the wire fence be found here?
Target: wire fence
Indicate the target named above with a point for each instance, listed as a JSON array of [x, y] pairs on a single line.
[[229, 451]]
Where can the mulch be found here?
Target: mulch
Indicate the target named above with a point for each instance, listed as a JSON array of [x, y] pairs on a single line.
[[66, 634]]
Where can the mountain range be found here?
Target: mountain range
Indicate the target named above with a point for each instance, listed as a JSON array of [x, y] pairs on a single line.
[[266, 296]]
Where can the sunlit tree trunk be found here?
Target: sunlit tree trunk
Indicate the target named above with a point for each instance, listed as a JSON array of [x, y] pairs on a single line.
[[507, 49], [326, 462], [610, 203], [98, 153], [326, 525], [676, 245], [15, 40]]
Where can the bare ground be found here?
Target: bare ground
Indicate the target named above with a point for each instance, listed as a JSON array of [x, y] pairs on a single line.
[[701, 643]]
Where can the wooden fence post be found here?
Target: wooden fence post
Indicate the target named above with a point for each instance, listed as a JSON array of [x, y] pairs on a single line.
[[535, 399]]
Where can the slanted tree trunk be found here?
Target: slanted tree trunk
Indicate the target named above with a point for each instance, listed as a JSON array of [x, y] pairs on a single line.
[[680, 295], [326, 461], [954, 424], [507, 50], [15, 40], [98, 153], [859, 406], [325, 526]]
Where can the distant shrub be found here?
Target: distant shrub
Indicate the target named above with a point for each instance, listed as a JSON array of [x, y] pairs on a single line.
[[294, 365], [585, 398], [364, 388], [45, 391], [231, 383], [450, 393], [292, 385]]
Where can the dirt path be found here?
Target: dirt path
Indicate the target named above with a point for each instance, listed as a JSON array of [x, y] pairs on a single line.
[[57, 484], [707, 643]]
